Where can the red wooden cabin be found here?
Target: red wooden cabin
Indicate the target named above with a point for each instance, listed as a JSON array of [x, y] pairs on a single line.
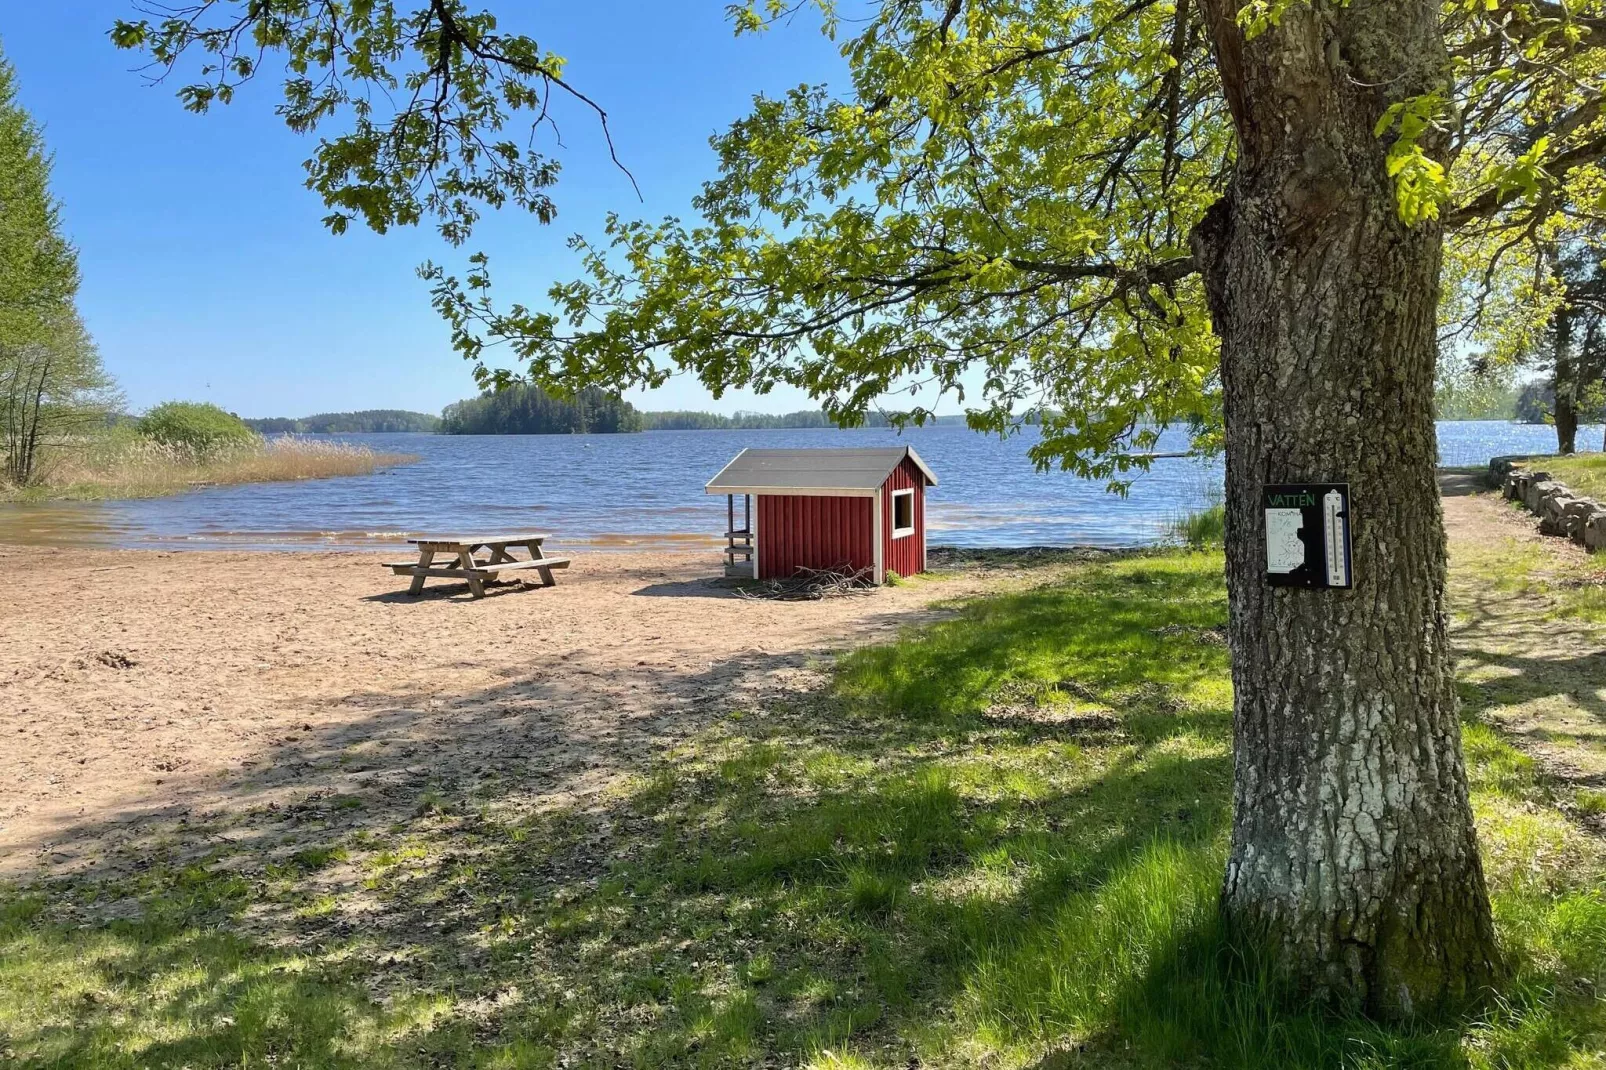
[[864, 508]]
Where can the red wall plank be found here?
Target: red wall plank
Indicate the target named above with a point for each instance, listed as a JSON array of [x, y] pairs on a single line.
[[807, 531]]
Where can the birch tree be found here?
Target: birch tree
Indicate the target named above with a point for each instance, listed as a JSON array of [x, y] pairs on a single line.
[[54, 392], [44, 354]]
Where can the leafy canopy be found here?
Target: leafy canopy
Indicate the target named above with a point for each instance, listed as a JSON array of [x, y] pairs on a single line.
[[38, 268], [424, 96], [199, 426], [1004, 192]]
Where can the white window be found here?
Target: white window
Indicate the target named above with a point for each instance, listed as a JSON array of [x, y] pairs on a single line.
[[903, 513]]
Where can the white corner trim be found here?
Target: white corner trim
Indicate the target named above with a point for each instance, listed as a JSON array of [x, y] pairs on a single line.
[[880, 576], [922, 530], [756, 542]]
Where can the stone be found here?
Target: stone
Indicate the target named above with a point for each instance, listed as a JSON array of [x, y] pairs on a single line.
[[1576, 516], [1595, 530], [1536, 490], [1512, 488], [1500, 467], [1525, 480], [1553, 510]]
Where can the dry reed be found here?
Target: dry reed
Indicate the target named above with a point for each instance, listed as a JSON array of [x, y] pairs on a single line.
[[125, 467]]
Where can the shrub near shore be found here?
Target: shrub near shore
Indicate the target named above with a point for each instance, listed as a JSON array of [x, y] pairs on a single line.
[[198, 426]]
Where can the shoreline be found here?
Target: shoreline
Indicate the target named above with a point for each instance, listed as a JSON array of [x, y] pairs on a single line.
[[200, 523], [681, 546]]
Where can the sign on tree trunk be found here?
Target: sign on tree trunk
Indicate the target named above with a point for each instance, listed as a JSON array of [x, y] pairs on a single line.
[[1307, 535]]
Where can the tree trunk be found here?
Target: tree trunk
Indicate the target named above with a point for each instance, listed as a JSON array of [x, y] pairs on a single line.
[[1565, 383], [1353, 854]]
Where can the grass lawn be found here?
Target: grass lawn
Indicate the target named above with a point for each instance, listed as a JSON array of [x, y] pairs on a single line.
[[995, 842], [1583, 472]]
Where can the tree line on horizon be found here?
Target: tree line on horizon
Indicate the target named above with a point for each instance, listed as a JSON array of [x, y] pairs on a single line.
[[523, 409], [365, 421], [526, 409]]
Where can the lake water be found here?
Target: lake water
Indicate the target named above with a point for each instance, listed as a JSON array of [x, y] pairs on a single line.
[[641, 490]]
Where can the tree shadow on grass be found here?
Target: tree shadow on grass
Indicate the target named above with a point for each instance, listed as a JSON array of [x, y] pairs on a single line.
[[769, 893], [1515, 644], [780, 876], [1524, 678], [1005, 829]]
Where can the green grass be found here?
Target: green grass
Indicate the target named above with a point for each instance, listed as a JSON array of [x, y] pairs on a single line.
[[1202, 529], [997, 841], [1584, 473], [1568, 588]]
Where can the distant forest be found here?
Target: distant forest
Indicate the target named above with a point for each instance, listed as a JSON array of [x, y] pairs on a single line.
[[367, 421], [1537, 405], [712, 421], [522, 409]]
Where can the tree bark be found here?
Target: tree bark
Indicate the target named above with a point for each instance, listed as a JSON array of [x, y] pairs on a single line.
[[1564, 382], [1353, 857]]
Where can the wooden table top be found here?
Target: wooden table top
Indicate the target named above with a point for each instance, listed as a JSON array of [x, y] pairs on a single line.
[[479, 540]]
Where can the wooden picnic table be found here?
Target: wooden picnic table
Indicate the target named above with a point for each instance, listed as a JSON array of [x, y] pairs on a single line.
[[463, 565]]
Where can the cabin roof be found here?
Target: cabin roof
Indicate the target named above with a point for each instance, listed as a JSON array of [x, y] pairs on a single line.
[[814, 471]]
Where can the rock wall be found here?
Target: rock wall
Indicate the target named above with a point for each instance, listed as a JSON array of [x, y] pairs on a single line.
[[1561, 511]]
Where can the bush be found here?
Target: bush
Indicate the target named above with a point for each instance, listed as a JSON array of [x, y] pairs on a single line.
[[198, 426]]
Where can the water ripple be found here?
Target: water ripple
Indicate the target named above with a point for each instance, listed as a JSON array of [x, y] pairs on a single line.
[[640, 491]]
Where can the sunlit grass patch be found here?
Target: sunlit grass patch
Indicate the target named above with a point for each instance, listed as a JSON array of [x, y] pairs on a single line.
[[1583, 596], [1570, 586], [1508, 564], [174, 993], [997, 841], [1584, 472], [1101, 634], [1495, 766]]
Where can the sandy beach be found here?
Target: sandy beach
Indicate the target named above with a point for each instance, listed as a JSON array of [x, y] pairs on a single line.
[[143, 690]]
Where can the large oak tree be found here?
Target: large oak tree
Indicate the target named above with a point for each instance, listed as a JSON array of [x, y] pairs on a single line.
[[1123, 213]]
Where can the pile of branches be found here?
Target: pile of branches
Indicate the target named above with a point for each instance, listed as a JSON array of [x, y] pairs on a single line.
[[812, 584]]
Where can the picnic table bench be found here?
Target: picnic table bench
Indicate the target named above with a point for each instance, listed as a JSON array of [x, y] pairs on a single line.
[[461, 564]]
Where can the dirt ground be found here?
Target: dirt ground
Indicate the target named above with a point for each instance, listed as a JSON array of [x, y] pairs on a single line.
[[141, 691], [1527, 613]]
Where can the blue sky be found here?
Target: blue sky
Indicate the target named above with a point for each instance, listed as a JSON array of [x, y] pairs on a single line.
[[207, 274]]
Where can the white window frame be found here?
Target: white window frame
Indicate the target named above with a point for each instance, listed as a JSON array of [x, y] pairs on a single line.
[[897, 532]]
